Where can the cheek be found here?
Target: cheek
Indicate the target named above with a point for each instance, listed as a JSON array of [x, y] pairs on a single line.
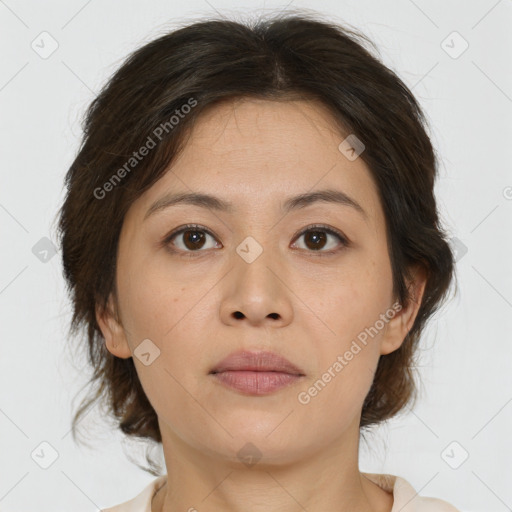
[[157, 309], [151, 303], [343, 381], [163, 308], [353, 314], [353, 305]]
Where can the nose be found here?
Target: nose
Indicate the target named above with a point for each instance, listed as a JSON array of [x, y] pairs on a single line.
[[256, 293]]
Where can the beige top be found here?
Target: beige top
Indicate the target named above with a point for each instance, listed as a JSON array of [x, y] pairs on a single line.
[[405, 497]]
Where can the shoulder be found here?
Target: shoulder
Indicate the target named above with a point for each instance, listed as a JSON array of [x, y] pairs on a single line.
[[405, 497], [426, 504], [142, 501]]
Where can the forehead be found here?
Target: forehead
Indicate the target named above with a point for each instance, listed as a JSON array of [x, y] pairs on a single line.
[[256, 153], [237, 125]]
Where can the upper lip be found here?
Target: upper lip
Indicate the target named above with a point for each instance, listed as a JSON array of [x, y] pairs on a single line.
[[262, 361]]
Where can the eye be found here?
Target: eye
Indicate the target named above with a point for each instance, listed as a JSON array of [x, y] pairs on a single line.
[[193, 238], [315, 239]]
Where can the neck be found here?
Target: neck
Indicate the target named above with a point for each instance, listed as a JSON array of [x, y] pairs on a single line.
[[196, 481]]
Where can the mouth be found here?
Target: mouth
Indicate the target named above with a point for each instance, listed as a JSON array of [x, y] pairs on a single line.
[[248, 361], [256, 373]]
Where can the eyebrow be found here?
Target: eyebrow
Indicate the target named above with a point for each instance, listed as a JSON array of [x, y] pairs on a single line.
[[293, 203]]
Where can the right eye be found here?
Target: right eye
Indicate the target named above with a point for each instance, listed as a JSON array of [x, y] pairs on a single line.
[[191, 237]]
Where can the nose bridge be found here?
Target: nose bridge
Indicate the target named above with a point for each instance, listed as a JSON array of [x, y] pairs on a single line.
[[256, 289], [259, 237], [255, 258]]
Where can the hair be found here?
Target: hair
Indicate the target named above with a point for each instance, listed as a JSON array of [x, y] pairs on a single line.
[[160, 92]]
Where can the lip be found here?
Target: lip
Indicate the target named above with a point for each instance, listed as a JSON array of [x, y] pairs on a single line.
[[252, 361], [256, 373]]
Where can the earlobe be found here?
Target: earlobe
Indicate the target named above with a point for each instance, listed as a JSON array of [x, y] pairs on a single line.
[[403, 320], [112, 330]]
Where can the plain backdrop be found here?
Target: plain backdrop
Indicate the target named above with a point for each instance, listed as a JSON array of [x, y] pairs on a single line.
[[456, 443]]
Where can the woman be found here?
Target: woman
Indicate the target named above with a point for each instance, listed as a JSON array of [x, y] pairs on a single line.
[[251, 240]]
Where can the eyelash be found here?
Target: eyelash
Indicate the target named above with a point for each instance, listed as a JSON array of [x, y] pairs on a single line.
[[166, 242]]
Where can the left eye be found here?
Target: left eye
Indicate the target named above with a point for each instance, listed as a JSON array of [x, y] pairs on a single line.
[[315, 237], [194, 237]]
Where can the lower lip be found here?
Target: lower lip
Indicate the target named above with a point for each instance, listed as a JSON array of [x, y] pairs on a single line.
[[256, 383]]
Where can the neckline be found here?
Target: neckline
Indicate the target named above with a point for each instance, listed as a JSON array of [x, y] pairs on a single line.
[[385, 481], [157, 490]]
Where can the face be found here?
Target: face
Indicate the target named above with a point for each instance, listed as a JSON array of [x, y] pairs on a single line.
[[308, 281]]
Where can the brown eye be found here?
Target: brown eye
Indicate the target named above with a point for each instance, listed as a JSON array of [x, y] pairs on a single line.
[[316, 239], [189, 239]]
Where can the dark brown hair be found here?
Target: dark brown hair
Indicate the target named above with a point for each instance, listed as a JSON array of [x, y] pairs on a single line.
[[288, 56]]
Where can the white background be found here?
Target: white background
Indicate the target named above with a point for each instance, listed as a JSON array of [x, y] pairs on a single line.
[[466, 358]]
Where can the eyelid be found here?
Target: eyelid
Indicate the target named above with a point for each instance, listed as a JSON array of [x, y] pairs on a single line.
[[328, 229]]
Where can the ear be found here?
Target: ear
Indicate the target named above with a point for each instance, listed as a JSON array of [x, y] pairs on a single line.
[[113, 331], [398, 327]]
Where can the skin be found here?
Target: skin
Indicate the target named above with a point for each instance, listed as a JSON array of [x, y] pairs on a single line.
[[307, 308]]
